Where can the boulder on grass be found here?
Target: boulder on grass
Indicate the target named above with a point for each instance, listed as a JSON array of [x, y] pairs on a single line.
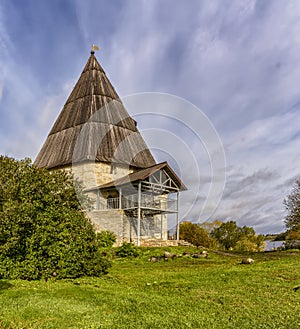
[[247, 261], [154, 259], [169, 255]]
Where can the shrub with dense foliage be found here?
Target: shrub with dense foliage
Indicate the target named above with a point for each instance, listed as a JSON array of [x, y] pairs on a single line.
[[127, 250], [106, 239], [196, 235], [43, 231]]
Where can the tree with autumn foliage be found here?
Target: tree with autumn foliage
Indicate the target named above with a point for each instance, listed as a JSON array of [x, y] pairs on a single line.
[[292, 220], [196, 235]]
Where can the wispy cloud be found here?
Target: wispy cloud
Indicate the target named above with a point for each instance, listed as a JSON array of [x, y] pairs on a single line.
[[238, 61]]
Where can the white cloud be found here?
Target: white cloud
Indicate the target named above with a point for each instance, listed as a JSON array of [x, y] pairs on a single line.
[[238, 61], [262, 157]]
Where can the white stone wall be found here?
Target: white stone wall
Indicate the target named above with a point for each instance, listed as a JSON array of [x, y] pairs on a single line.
[[108, 220], [115, 220], [98, 173], [150, 228]]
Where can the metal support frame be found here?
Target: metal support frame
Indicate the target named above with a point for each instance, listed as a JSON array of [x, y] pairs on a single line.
[[139, 216], [98, 200], [120, 198], [177, 218], [161, 226], [137, 207]]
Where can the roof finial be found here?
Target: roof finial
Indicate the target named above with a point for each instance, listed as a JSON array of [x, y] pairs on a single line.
[[94, 47]]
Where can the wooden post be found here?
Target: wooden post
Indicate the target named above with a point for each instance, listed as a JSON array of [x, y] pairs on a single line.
[[139, 216], [177, 218]]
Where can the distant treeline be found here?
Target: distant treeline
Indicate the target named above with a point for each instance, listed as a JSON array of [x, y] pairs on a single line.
[[276, 237]]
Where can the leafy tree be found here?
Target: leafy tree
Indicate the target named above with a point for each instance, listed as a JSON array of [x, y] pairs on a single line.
[[210, 226], [227, 234], [238, 238], [281, 236], [196, 235], [245, 244], [43, 230], [252, 244], [292, 220], [260, 242]]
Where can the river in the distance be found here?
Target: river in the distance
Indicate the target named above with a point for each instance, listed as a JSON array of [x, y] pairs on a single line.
[[272, 245]]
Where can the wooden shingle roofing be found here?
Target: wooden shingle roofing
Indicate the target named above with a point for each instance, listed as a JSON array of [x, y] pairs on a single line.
[[110, 134]]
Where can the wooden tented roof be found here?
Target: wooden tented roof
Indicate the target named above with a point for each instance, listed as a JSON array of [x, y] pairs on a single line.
[[109, 133]]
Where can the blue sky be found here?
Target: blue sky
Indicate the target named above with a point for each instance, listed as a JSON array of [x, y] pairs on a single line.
[[237, 61]]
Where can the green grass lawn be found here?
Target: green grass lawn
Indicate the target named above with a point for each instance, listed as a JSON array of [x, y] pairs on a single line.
[[216, 292]]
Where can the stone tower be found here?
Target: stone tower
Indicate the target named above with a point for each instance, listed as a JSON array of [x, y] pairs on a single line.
[[96, 139]]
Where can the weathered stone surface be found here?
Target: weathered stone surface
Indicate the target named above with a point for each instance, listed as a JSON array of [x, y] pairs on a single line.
[[97, 173], [125, 227], [154, 230]]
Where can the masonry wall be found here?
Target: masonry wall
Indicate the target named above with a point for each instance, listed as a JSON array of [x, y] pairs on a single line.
[[125, 227], [109, 220], [97, 173], [115, 220], [150, 228]]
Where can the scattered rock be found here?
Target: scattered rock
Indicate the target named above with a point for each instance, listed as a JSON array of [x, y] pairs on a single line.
[[247, 261], [195, 255], [169, 255], [202, 254], [154, 259]]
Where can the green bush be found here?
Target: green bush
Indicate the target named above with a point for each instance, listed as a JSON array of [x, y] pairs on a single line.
[[127, 250], [106, 239], [43, 231]]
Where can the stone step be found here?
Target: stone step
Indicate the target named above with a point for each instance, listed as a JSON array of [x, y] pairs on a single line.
[[163, 243]]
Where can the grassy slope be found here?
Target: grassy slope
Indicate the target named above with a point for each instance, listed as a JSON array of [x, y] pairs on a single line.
[[184, 293]]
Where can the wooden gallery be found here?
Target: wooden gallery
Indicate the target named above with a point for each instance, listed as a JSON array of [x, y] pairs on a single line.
[[96, 139]]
